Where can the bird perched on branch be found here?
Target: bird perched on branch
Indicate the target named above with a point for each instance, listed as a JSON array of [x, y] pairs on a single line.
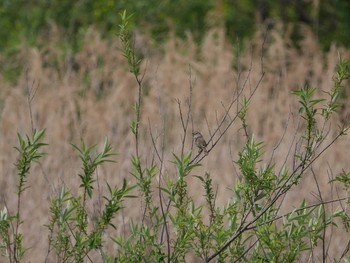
[[200, 142]]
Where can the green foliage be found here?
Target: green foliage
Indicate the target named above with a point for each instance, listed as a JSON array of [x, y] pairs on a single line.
[[184, 165], [333, 22], [28, 152], [238, 16], [28, 19], [343, 178], [71, 235], [25, 20], [27, 23], [180, 16], [127, 49], [338, 91], [308, 112], [90, 163], [4, 231], [10, 237], [328, 19]]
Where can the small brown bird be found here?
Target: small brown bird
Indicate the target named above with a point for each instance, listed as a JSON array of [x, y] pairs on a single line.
[[200, 142]]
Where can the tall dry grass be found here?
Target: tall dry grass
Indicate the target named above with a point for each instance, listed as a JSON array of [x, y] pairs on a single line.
[[90, 95]]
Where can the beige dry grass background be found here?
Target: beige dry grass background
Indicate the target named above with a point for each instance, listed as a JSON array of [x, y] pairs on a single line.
[[91, 96]]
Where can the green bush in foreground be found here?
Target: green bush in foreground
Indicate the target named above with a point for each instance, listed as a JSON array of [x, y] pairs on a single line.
[[248, 228]]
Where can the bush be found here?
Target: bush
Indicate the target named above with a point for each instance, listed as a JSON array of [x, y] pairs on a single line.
[[249, 227]]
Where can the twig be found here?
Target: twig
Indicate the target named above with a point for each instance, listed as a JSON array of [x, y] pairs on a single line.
[[31, 92], [282, 190], [323, 217], [297, 210]]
